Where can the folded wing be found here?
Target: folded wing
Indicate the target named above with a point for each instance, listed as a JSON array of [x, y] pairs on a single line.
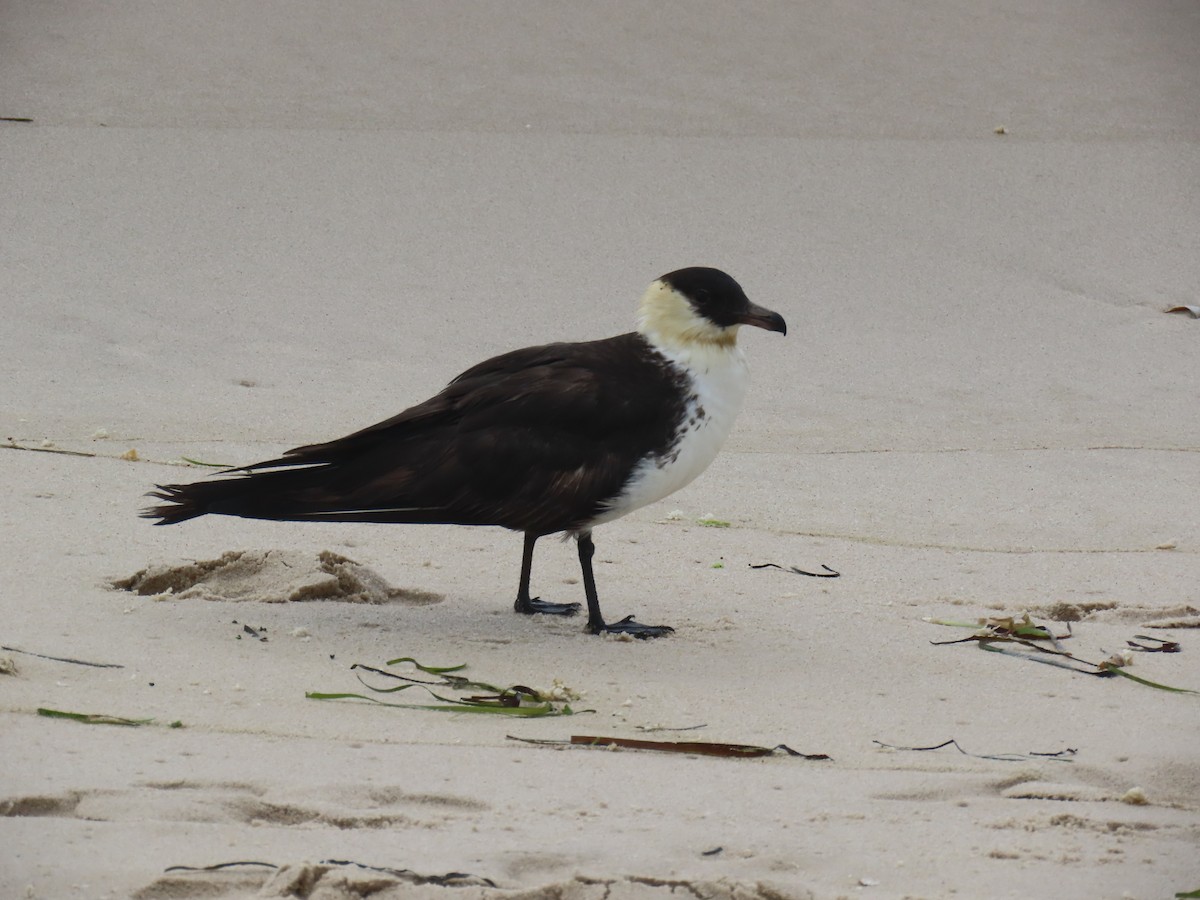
[[534, 440]]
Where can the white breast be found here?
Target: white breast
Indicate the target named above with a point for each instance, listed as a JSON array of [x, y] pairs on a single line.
[[718, 378]]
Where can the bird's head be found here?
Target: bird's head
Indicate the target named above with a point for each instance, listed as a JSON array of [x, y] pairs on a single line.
[[700, 305]]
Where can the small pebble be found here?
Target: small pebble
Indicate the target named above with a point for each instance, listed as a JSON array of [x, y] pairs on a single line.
[[1135, 797]]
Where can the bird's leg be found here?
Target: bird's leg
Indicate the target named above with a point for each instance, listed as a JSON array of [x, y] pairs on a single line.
[[596, 623], [532, 605]]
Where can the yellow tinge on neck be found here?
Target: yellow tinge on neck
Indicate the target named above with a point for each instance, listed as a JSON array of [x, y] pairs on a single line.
[[665, 317]]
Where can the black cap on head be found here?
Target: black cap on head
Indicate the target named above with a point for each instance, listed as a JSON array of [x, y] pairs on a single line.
[[720, 299], [713, 294]]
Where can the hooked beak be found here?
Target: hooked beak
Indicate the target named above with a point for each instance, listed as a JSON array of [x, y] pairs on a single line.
[[760, 317]]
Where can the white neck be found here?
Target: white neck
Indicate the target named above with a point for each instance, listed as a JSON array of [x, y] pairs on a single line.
[[717, 375]]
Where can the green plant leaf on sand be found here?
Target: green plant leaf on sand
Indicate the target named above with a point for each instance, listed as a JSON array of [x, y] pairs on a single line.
[[712, 523], [516, 700], [1108, 667], [1002, 627], [497, 704], [445, 678], [98, 718], [1024, 632], [64, 659], [1181, 895]]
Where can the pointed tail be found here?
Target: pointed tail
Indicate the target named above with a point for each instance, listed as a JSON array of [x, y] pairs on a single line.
[[258, 495]]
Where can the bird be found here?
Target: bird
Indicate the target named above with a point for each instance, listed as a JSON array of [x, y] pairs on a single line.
[[556, 438]]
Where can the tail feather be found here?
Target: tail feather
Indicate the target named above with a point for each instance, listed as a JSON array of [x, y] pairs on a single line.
[[306, 493], [270, 495], [177, 508], [187, 501]]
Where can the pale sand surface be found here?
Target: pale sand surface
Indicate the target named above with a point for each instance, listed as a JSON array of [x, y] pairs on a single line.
[[233, 228]]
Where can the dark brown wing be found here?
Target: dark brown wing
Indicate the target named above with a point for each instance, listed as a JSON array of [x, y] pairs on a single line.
[[534, 440]]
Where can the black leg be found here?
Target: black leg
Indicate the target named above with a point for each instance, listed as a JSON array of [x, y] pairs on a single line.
[[596, 623], [532, 605]]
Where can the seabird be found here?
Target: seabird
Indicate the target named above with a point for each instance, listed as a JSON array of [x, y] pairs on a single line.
[[556, 438]]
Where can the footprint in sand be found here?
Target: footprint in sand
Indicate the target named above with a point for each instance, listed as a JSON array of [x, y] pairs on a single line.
[[237, 803], [1178, 616]]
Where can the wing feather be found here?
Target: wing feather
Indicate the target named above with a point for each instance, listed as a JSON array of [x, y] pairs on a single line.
[[534, 440]]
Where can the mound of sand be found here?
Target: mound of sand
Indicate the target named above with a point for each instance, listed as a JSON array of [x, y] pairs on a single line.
[[270, 576]]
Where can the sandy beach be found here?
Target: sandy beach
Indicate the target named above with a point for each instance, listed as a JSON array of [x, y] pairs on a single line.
[[233, 228]]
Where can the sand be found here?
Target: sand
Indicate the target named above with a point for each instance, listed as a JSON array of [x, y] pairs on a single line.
[[230, 229]]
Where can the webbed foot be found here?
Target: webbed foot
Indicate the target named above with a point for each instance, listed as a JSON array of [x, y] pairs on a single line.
[[632, 628], [532, 606]]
